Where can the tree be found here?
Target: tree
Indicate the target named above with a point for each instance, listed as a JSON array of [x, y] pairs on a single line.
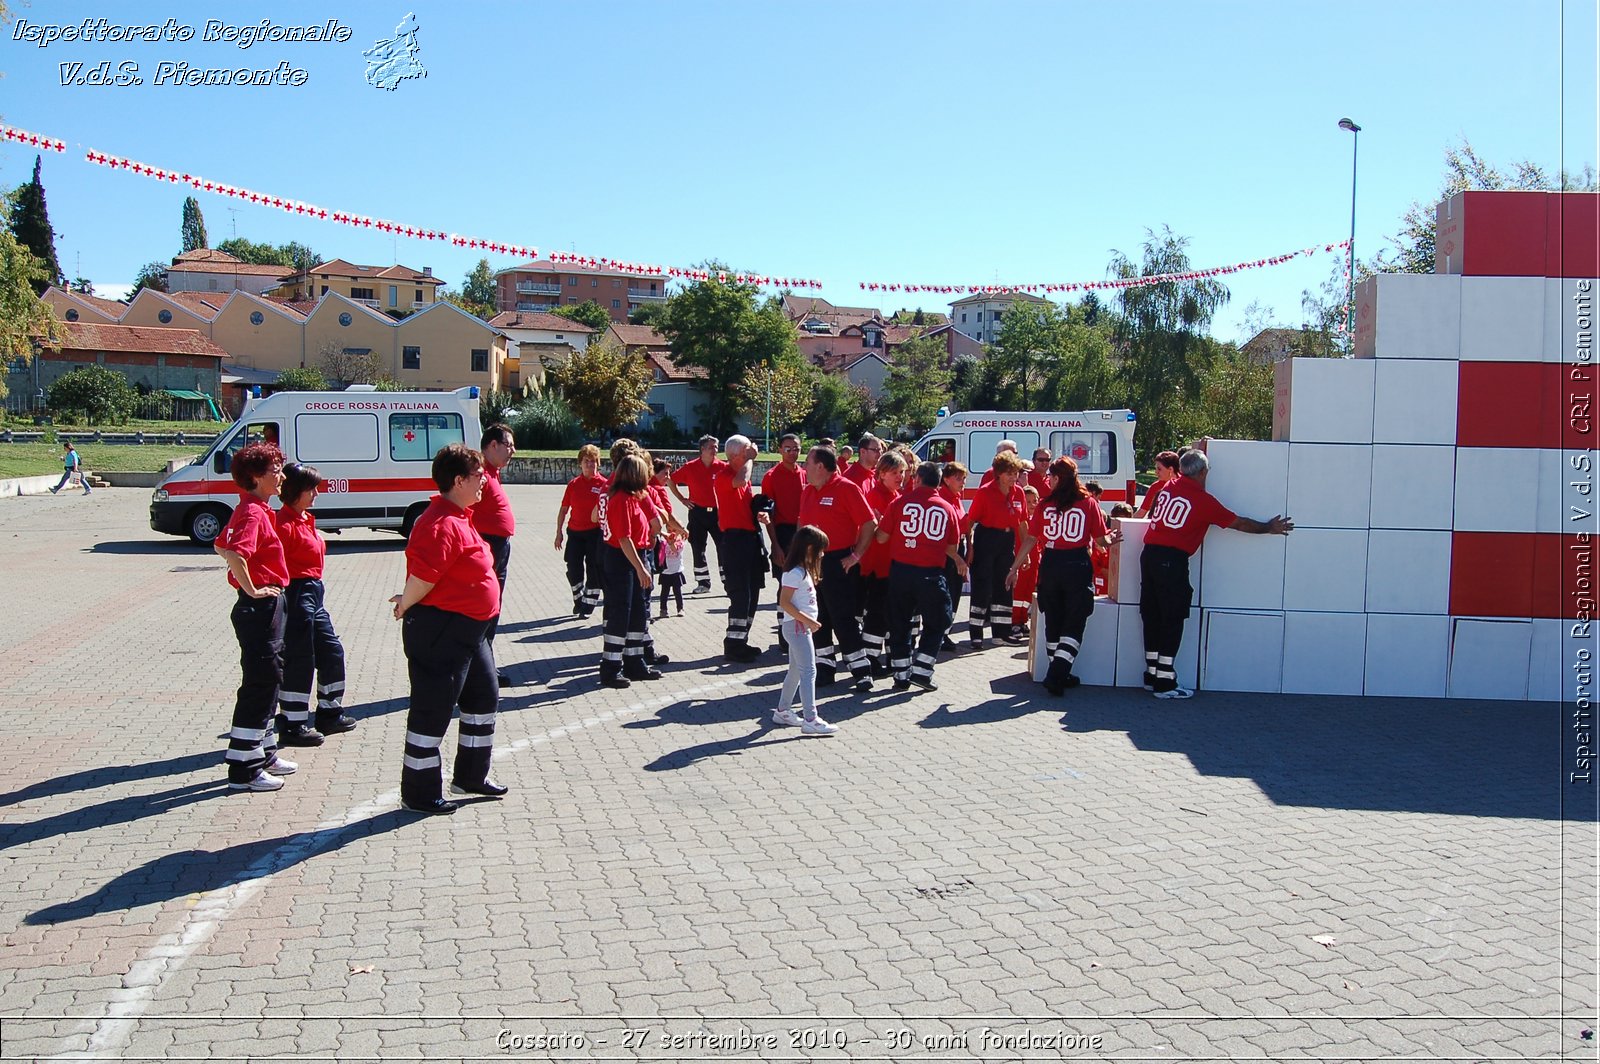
[[833, 401], [646, 314], [1161, 337], [479, 286], [99, 394], [917, 386], [294, 255], [152, 275], [301, 379], [345, 366], [23, 315], [604, 385], [975, 385], [792, 394], [81, 285], [194, 226], [477, 310], [30, 224], [718, 326], [587, 313]]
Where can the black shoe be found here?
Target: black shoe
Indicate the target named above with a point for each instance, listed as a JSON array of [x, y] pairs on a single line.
[[948, 644], [863, 683], [926, 683], [335, 724], [437, 807], [1056, 689], [619, 682], [644, 674], [902, 685], [298, 735], [657, 659], [488, 788], [1071, 681], [742, 653]]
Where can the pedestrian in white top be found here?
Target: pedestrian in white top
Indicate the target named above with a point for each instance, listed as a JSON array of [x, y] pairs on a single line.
[[797, 600]]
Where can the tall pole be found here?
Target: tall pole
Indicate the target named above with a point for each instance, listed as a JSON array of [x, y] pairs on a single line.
[[1350, 288], [768, 446]]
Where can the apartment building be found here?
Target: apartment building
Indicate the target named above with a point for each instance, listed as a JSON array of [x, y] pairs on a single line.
[[541, 286], [392, 290]]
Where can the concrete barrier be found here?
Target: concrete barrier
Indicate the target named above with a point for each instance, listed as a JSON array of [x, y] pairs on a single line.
[[28, 485], [131, 480]]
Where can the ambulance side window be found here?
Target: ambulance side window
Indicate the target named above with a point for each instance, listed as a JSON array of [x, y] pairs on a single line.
[[941, 450], [255, 432], [418, 437], [336, 437], [1095, 452], [981, 445]]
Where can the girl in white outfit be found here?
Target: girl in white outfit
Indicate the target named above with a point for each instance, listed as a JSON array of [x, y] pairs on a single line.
[[797, 600]]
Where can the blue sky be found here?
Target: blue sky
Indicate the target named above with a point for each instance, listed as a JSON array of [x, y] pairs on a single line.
[[896, 141]]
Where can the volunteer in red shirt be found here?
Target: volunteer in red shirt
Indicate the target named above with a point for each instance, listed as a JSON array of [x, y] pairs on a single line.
[[450, 599], [1027, 581], [311, 648], [922, 531], [838, 507], [952, 486], [744, 560], [993, 521], [582, 532], [890, 479], [629, 524], [783, 484], [1065, 525], [661, 495], [492, 515], [1003, 447], [1037, 475], [1166, 473], [1178, 525], [258, 572], [702, 503], [860, 472]]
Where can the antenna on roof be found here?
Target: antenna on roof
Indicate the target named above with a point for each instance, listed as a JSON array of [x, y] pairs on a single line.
[[234, 212]]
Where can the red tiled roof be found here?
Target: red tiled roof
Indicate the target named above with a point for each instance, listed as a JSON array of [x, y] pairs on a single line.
[[233, 266], [671, 370], [640, 336], [206, 255], [342, 268], [533, 319], [109, 307], [302, 307], [206, 304], [139, 339]]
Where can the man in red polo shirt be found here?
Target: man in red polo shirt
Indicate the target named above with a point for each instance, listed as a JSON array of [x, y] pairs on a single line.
[[1182, 515], [783, 484], [743, 560], [702, 504], [492, 516], [922, 530], [837, 507], [862, 471]]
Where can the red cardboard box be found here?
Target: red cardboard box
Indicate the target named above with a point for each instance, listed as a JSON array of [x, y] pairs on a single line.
[[1519, 234], [1520, 574]]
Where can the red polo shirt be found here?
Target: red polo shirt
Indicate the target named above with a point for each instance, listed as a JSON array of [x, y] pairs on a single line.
[[859, 475], [491, 515], [696, 477], [838, 508], [252, 534], [733, 504], [581, 497], [784, 484], [661, 499], [876, 560], [991, 509], [1036, 478], [447, 552], [1076, 526], [626, 518], [303, 549], [922, 527], [1183, 514]]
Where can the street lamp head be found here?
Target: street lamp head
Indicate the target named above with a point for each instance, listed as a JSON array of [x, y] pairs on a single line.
[[1346, 124]]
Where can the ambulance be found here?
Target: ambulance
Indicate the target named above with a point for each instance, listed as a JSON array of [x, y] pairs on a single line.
[[1100, 441], [375, 449]]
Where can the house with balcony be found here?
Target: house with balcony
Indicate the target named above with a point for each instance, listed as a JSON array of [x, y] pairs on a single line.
[[541, 286], [980, 315], [392, 290], [536, 340]]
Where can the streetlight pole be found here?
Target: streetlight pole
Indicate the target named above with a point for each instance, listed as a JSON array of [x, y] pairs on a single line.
[[768, 446], [1350, 289]]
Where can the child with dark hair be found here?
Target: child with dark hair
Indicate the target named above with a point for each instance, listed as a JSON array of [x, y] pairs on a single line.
[[797, 600]]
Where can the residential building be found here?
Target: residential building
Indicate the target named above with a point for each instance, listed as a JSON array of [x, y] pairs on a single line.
[[209, 270], [535, 340], [980, 315], [76, 306], [1275, 345], [541, 285], [152, 360], [394, 290], [956, 343], [813, 314], [678, 391]]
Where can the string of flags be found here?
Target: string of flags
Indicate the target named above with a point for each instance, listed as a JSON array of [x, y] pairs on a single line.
[[382, 225]]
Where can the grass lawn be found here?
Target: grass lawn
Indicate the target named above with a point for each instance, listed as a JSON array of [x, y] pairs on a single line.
[[38, 459]]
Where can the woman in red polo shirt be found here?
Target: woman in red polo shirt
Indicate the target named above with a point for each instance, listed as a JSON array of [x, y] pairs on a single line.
[[889, 479], [310, 645], [258, 572], [582, 531], [629, 524], [993, 521], [450, 598]]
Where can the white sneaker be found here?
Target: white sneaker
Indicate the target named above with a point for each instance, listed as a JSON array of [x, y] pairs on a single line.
[[1176, 692], [281, 766], [785, 718], [262, 782], [817, 727]]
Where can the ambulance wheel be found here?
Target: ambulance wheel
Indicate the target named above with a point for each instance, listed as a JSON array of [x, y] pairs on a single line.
[[206, 524], [410, 519]]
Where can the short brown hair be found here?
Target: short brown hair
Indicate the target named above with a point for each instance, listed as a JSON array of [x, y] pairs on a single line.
[[297, 480], [953, 469], [1007, 462], [253, 462], [454, 460], [588, 450], [632, 475]]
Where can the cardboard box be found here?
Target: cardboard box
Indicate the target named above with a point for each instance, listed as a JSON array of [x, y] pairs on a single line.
[[1489, 658], [1408, 571], [1249, 477], [1414, 401], [1502, 319], [1517, 574], [1491, 234], [1497, 489], [1565, 300], [1325, 570], [1243, 571], [1122, 575], [1242, 651], [1513, 404], [1407, 656], [1322, 400], [1413, 486], [1568, 490], [1130, 649], [1409, 315], [1549, 673], [1330, 485], [1324, 653]]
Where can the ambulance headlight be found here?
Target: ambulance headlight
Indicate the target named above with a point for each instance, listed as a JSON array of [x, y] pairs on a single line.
[[159, 496]]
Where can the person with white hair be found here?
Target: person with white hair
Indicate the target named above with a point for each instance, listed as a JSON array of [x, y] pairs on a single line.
[[743, 560], [1003, 447], [1182, 515]]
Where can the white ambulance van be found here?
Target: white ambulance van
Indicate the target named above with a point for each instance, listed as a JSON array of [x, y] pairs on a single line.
[[1100, 441], [375, 449]]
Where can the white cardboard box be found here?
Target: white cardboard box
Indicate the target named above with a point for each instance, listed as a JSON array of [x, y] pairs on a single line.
[[1409, 315], [1324, 653], [1408, 571], [1407, 656], [1547, 671], [1243, 571], [1242, 651], [1325, 570], [1130, 649], [1559, 472], [1322, 400], [1414, 401], [1563, 298], [1122, 575], [1502, 319], [1413, 485], [1497, 489], [1249, 477], [1330, 485], [1489, 658]]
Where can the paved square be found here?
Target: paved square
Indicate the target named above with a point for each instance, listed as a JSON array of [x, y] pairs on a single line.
[[981, 873]]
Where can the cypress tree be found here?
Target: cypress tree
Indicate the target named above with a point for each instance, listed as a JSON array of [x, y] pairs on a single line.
[[30, 224], [194, 226]]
